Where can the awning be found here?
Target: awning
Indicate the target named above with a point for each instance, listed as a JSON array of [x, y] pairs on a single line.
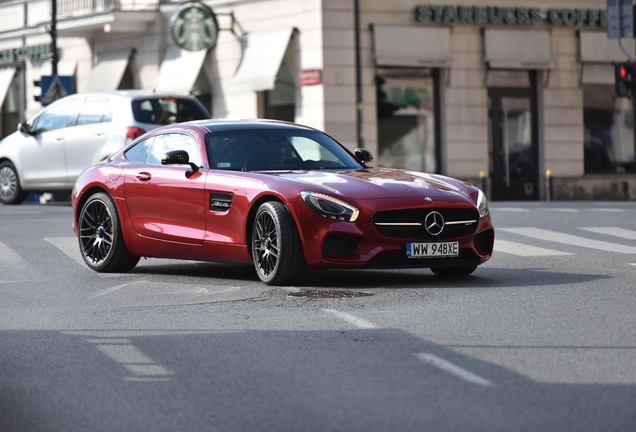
[[262, 57], [6, 77], [411, 46], [109, 70], [179, 70], [595, 47], [517, 49], [597, 73]]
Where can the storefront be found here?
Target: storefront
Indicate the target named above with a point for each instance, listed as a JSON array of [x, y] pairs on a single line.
[[496, 95]]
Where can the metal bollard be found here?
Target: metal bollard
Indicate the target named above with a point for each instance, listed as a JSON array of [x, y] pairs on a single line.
[[483, 181], [548, 185]]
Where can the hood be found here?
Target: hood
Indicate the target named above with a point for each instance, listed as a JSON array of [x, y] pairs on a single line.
[[380, 183]]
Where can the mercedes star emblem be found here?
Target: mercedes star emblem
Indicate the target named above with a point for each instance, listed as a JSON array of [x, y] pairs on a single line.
[[434, 223]]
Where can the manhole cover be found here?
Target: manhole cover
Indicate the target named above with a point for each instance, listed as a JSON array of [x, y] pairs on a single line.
[[330, 294]]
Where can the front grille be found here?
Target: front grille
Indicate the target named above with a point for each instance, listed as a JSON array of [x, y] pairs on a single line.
[[389, 223]]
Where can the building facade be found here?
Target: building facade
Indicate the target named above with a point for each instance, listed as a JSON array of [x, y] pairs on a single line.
[[516, 97]]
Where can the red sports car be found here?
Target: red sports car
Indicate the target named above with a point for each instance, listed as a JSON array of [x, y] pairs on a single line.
[[284, 196]]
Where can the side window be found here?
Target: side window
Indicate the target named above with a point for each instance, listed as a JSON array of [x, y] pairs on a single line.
[[309, 149], [139, 152], [59, 116], [93, 111], [169, 142]]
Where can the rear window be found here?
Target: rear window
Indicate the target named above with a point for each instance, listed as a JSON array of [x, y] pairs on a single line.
[[163, 111]]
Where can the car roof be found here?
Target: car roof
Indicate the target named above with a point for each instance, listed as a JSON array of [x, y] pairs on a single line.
[[128, 94], [222, 125]]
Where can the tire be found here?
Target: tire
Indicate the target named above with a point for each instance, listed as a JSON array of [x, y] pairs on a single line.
[[10, 190], [100, 238], [454, 271], [276, 249]]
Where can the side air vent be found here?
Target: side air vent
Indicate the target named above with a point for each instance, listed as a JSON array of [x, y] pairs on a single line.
[[220, 202]]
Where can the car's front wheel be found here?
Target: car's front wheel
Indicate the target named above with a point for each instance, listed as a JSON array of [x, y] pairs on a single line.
[[10, 190], [100, 238], [276, 249], [454, 271]]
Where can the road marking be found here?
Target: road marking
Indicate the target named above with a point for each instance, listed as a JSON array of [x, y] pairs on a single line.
[[358, 322], [561, 209], [608, 210], [140, 366], [13, 268], [511, 209], [453, 369], [117, 287], [11, 257], [521, 249], [68, 245], [557, 237], [613, 231]]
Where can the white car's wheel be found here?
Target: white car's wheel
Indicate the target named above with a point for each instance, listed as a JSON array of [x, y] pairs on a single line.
[[10, 190]]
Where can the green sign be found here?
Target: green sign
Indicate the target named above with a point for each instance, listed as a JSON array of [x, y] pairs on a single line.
[[15, 55], [446, 14], [194, 27]]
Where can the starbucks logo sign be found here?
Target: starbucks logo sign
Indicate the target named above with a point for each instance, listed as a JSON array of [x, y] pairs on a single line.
[[194, 27]]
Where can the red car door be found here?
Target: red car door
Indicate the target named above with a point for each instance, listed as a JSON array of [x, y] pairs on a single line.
[[163, 202]]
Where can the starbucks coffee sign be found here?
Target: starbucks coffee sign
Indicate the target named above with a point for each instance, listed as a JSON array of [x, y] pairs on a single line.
[[194, 27], [511, 15]]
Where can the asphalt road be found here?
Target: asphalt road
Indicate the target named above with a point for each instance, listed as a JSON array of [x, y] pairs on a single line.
[[540, 338]]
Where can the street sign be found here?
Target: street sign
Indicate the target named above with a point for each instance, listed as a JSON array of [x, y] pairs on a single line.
[[55, 87], [620, 19]]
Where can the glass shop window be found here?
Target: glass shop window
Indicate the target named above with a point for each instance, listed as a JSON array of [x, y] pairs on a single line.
[[609, 131]]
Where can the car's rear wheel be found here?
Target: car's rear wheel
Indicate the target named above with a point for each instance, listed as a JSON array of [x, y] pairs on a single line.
[[10, 190], [454, 271], [276, 248], [100, 238]]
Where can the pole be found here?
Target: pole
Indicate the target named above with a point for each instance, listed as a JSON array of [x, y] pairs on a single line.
[[359, 114], [53, 32]]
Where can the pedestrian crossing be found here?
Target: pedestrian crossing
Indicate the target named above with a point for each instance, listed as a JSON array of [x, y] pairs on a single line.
[[559, 238], [515, 241]]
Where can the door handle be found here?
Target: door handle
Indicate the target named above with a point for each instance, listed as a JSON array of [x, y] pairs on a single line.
[[144, 176]]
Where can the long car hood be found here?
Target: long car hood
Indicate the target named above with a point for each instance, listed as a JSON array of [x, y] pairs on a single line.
[[381, 183]]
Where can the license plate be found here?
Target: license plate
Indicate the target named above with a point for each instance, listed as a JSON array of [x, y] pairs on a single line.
[[432, 250]]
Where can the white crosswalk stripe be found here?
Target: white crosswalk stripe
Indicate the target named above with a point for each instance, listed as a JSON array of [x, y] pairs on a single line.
[[558, 237], [12, 267], [613, 231], [69, 246], [521, 249]]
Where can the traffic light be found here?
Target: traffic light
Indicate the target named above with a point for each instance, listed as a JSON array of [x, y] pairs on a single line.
[[37, 83], [623, 79]]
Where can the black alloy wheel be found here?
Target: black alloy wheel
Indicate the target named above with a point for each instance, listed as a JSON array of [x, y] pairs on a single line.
[[100, 238], [276, 249], [10, 190]]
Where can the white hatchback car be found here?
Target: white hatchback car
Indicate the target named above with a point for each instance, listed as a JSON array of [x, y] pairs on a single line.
[[48, 152]]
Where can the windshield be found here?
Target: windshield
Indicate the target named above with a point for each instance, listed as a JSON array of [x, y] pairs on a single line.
[[268, 149]]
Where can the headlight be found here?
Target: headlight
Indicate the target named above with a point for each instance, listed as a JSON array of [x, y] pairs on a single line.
[[482, 203], [330, 207]]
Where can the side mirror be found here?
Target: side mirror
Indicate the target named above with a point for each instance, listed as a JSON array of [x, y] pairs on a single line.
[[25, 128], [179, 157], [363, 154]]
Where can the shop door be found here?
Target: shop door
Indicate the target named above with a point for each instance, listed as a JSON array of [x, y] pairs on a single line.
[[513, 145]]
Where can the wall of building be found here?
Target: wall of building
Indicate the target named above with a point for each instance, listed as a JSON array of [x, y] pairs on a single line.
[[327, 42]]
